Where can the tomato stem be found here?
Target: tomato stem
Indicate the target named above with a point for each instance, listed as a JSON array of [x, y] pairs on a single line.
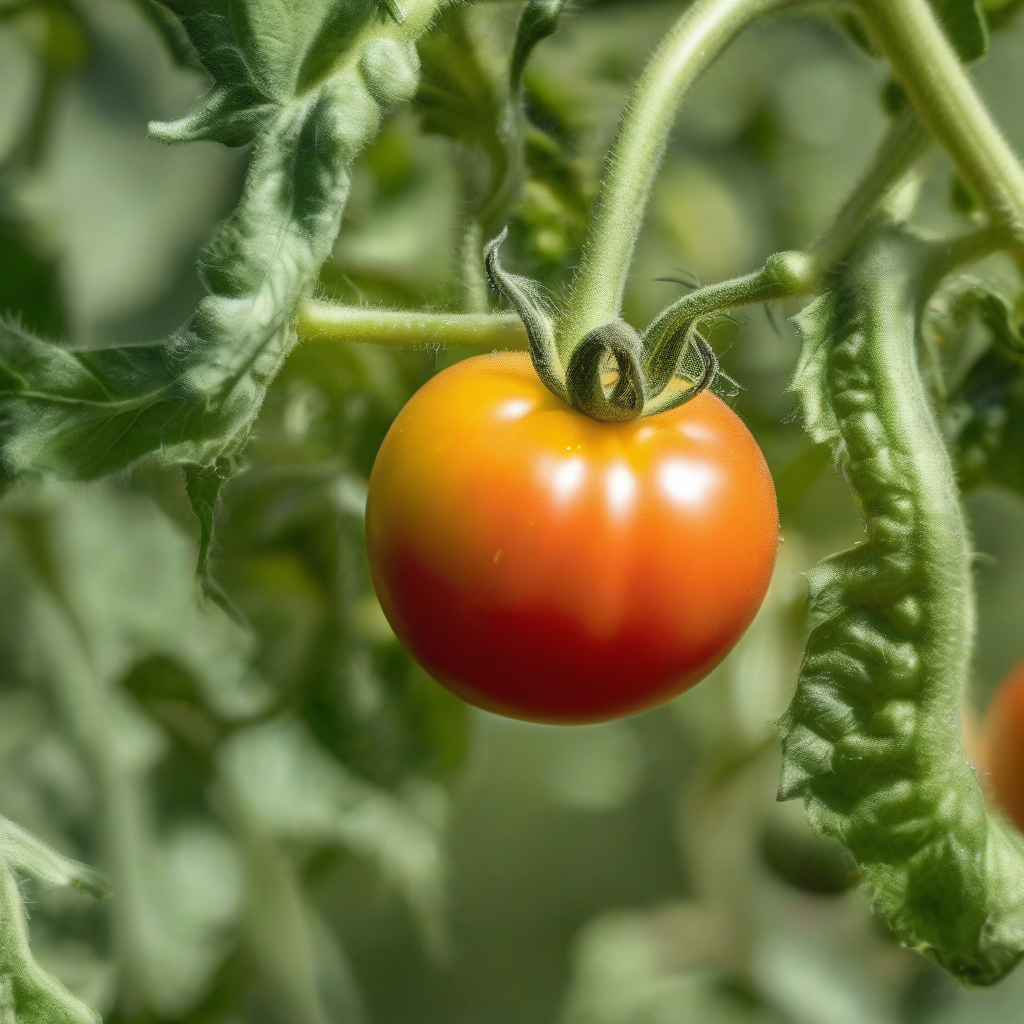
[[902, 147], [929, 70], [694, 42], [785, 275], [333, 322]]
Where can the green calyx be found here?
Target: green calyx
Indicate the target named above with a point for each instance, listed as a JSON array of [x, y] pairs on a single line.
[[615, 373]]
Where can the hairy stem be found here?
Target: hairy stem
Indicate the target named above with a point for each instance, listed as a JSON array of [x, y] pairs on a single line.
[[332, 322], [958, 250], [927, 67], [475, 291], [904, 144], [694, 42]]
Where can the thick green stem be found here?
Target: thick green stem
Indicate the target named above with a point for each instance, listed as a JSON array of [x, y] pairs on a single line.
[[697, 38], [332, 322], [927, 67]]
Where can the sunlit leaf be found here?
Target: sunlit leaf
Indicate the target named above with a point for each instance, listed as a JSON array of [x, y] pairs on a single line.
[[279, 80]]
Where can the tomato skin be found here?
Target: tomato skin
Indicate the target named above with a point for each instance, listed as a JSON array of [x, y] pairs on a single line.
[[552, 568], [1004, 746]]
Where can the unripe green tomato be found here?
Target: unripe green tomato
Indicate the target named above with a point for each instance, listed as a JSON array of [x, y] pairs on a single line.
[[549, 567]]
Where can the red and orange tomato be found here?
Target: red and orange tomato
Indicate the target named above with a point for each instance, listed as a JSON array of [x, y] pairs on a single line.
[[1004, 746], [549, 567]]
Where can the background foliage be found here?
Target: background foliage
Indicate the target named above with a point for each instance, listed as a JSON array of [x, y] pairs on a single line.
[[300, 826]]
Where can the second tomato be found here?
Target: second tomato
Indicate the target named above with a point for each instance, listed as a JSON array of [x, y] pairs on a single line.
[[549, 567]]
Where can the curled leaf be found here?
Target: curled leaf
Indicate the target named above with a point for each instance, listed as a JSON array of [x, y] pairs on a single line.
[[279, 83], [524, 295], [538, 21], [984, 415]]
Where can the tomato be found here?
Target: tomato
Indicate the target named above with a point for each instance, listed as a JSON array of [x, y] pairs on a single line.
[[549, 567], [1004, 746]]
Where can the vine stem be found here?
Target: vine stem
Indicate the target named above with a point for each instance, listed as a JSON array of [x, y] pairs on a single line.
[[330, 322], [929, 70], [693, 43], [903, 145]]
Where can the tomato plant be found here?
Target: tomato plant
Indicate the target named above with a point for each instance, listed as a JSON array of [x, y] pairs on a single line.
[[202, 693], [1004, 746], [598, 568]]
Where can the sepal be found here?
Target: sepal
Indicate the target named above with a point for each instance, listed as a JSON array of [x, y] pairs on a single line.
[[525, 297]]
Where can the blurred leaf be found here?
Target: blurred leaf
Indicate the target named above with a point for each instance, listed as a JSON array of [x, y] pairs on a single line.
[[96, 629], [293, 558], [965, 25], [658, 968], [63, 47], [984, 415], [28, 995], [296, 791], [170, 31], [27, 855], [172, 695], [538, 20], [193, 400], [806, 860], [311, 982], [1000, 13], [30, 285], [552, 218], [459, 98]]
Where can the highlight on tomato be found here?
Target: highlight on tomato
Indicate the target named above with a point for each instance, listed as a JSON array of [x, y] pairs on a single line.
[[1004, 746], [549, 567]]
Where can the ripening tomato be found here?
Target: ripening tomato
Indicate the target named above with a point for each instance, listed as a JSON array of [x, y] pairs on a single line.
[[548, 567], [1004, 746]]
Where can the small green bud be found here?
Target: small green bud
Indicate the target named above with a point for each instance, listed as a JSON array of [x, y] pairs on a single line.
[[793, 270]]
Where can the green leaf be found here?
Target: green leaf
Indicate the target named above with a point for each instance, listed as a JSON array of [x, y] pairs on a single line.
[[82, 414], [966, 27], [872, 738], [1000, 13], [28, 994], [306, 84], [28, 855], [296, 791], [539, 20], [203, 484], [459, 99], [170, 31], [30, 286], [984, 416]]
